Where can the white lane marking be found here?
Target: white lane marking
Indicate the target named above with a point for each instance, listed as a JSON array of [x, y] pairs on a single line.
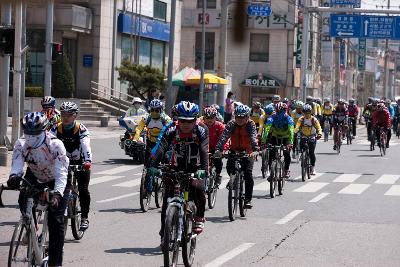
[[310, 187], [289, 217], [394, 190], [229, 255], [104, 179], [354, 189], [347, 178], [317, 175], [387, 179], [131, 183], [319, 197], [119, 169], [261, 186], [116, 198]]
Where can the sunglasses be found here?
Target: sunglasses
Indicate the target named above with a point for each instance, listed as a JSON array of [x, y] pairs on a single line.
[[155, 110], [186, 121]]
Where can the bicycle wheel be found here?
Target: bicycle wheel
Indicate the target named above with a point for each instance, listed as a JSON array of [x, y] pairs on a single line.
[[159, 192], [20, 253], [145, 197], [212, 190], [242, 209], [264, 163], [171, 244], [303, 167], [273, 182], [76, 219], [281, 179], [326, 132], [383, 145], [233, 200], [189, 241], [308, 165]]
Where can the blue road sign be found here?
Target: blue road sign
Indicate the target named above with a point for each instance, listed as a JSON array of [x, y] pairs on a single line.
[[364, 26], [259, 10], [354, 3], [346, 26]]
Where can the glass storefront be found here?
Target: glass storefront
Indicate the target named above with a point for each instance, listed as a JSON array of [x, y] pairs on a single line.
[[145, 52]]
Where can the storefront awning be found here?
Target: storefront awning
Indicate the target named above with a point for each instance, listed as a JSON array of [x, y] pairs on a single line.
[[261, 80], [208, 79], [179, 79]]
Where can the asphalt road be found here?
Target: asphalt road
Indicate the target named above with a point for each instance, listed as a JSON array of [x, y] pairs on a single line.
[[347, 215]]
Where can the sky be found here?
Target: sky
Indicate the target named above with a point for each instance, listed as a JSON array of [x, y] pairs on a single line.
[[371, 4]]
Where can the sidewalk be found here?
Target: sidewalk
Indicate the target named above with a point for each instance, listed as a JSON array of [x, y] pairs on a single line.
[[5, 170]]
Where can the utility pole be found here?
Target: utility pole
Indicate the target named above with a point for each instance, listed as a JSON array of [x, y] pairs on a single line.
[[203, 47], [23, 59], [5, 21], [222, 49], [114, 41], [386, 71], [304, 50], [337, 93], [49, 41], [170, 90], [17, 73]]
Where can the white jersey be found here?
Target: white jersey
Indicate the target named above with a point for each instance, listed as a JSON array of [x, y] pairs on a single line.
[[48, 162]]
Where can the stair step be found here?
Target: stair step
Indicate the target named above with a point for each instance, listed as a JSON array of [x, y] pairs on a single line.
[[91, 117], [88, 105], [89, 113], [94, 109]]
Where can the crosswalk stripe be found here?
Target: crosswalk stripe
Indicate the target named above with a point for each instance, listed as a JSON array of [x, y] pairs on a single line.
[[119, 169], [229, 255], [104, 179], [387, 179], [317, 175], [394, 190], [354, 189], [319, 197], [289, 217], [261, 186], [116, 198], [310, 187], [131, 183], [347, 178]]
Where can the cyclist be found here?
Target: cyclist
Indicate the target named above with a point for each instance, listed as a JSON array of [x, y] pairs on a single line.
[[353, 115], [396, 115], [318, 101], [219, 116], [49, 108], [215, 131], [327, 111], [276, 99], [189, 143], [296, 114], [136, 108], [75, 137], [315, 106], [309, 126], [47, 164], [269, 110], [367, 114], [243, 135], [381, 118], [388, 104], [256, 113], [154, 123], [340, 118], [281, 127]]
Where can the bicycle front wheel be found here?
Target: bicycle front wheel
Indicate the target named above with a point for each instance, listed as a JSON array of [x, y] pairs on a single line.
[[242, 208], [273, 181], [232, 200], [20, 253], [171, 244], [308, 166], [76, 219], [264, 164], [281, 179], [159, 192], [303, 167], [189, 242], [145, 196]]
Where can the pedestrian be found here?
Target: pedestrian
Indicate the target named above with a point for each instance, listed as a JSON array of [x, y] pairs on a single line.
[[154, 94], [228, 107]]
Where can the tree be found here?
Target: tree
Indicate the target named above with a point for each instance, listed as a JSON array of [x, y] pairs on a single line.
[[141, 79], [63, 78]]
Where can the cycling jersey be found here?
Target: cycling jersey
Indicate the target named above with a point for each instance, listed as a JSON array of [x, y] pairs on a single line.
[[215, 132], [316, 109], [243, 138], [132, 111], [76, 141], [340, 115], [48, 162], [327, 109], [256, 116], [308, 127], [353, 110], [263, 119], [54, 117], [296, 116], [280, 125], [153, 126], [381, 118]]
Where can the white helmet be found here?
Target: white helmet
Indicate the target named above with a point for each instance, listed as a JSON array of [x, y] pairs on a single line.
[[137, 100]]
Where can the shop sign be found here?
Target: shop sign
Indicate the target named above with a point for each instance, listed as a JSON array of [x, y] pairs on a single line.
[[261, 81]]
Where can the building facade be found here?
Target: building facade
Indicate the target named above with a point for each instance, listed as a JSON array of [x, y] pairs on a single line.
[[260, 66]]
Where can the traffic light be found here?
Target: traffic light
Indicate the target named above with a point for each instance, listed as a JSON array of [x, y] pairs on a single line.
[[57, 50], [7, 37]]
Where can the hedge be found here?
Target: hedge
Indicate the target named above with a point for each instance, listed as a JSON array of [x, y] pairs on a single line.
[[34, 91]]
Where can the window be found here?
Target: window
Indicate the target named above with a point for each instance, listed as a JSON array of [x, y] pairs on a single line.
[[127, 51], [209, 4], [259, 47], [128, 5], [157, 55], [144, 56], [160, 10], [209, 50]]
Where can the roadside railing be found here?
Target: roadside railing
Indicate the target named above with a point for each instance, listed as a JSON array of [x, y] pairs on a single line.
[[110, 95]]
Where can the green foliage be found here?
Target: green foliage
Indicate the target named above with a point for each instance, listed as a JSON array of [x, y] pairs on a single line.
[[141, 79], [34, 91], [63, 78]]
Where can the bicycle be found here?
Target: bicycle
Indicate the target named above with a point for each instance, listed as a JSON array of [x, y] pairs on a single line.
[[338, 138], [212, 187], [382, 141], [264, 161], [327, 127], [305, 158], [73, 209], [349, 132], [179, 220], [372, 140], [276, 177], [149, 185], [297, 149], [28, 245], [236, 187]]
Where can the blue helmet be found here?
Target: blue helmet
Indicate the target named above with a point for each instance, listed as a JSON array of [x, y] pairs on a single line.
[[156, 104], [48, 102], [242, 111], [269, 109], [34, 123], [187, 110]]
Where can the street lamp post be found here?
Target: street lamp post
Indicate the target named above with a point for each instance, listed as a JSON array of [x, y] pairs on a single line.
[[203, 45]]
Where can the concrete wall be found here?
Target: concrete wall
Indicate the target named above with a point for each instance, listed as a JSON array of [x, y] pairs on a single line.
[[33, 104]]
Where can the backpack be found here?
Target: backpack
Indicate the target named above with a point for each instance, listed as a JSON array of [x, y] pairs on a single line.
[[163, 120]]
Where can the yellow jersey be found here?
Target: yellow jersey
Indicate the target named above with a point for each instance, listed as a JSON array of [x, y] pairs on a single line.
[[153, 126], [308, 127]]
